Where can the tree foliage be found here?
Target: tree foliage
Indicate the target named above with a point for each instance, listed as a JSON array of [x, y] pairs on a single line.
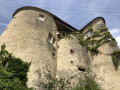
[[52, 83], [13, 71]]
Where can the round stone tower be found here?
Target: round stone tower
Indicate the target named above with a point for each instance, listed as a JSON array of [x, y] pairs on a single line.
[[31, 36], [102, 64]]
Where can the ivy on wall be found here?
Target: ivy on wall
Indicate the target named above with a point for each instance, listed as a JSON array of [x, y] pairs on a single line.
[[115, 57], [92, 44]]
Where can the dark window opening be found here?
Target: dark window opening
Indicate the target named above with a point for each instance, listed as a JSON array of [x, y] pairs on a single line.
[[81, 69], [71, 51], [53, 54], [71, 61], [53, 41], [49, 37]]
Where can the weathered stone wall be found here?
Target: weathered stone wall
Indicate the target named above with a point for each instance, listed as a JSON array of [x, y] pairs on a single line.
[[68, 62], [102, 66], [27, 38], [95, 25]]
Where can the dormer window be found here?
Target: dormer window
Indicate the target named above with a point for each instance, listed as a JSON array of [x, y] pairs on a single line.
[[41, 17]]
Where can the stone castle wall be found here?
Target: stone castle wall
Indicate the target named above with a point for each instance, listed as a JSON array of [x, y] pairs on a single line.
[[101, 65], [28, 38], [71, 58]]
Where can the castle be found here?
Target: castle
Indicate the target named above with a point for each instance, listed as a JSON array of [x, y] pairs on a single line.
[[37, 36]]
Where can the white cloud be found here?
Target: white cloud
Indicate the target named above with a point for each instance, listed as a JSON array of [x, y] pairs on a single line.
[[118, 40], [3, 24], [116, 34]]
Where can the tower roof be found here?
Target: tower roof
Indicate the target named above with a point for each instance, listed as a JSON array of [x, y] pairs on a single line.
[[54, 16], [39, 9], [93, 21]]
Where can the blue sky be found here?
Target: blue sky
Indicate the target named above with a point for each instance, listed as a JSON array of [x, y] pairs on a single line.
[[75, 12]]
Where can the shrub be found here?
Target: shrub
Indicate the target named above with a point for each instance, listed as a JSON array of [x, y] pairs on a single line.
[[53, 83], [87, 84], [13, 71]]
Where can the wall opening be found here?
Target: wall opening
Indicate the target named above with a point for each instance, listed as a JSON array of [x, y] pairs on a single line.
[[51, 39], [41, 17], [71, 51], [87, 34], [71, 62], [81, 69], [53, 54]]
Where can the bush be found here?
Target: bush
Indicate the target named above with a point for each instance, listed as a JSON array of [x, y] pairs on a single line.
[[19, 69], [87, 84], [53, 83], [13, 71]]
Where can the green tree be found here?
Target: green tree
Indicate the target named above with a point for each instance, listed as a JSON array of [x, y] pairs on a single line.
[[13, 71]]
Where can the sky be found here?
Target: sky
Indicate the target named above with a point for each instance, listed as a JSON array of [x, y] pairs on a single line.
[[77, 13]]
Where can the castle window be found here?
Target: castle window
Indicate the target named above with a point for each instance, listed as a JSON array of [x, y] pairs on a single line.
[[54, 42], [41, 17], [51, 39], [71, 51], [71, 61], [53, 54], [88, 34], [81, 69]]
